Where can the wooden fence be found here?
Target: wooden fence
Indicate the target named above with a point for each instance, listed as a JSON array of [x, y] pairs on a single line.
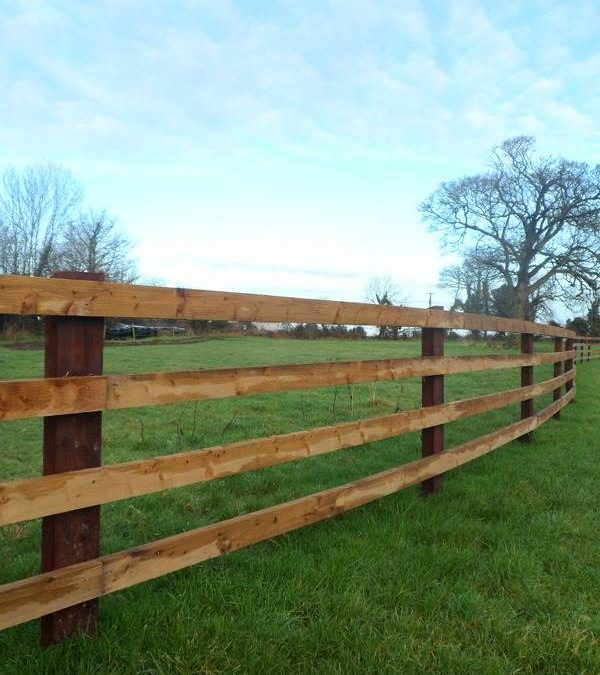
[[73, 394], [586, 348]]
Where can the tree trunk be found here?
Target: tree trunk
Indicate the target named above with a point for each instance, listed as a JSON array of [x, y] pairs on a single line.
[[521, 301]]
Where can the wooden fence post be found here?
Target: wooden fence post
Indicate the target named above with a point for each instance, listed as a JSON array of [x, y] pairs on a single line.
[[589, 350], [432, 393], [526, 381], [73, 347], [569, 363], [558, 370]]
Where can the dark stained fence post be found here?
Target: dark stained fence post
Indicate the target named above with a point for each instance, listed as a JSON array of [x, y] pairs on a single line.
[[589, 350], [558, 370], [569, 364], [73, 347], [432, 388], [526, 381]]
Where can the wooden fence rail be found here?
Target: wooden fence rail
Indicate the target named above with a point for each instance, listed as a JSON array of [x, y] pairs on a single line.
[[70, 395], [74, 393], [46, 495], [50, 592], [586, 348], [66, 297]]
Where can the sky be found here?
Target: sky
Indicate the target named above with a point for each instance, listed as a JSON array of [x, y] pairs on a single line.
[[284, 147]]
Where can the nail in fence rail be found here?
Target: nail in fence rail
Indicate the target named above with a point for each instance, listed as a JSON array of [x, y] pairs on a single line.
[[432, 393], [526, 381], [558, 370], [73, 347]]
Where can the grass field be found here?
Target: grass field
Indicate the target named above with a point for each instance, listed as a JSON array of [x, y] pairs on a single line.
[[498, 573]]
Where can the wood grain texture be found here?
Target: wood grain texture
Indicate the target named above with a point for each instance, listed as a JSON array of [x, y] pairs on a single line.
[[58, 297], [558, 371], [73, 346], [526, 381], [570, 365], [33, 597], [67, 395], [34, 497], [432, 394]]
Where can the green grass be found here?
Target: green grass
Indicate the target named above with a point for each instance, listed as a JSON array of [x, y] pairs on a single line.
[[497, 573]]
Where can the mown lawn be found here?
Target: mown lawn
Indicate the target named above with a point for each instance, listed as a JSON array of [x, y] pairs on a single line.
[[498, 573]]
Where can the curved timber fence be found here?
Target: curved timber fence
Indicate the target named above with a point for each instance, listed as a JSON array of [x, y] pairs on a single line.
[[73, 394]]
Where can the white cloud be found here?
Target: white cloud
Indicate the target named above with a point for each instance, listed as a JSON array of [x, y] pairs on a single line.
[[340, 78], [341, 115]]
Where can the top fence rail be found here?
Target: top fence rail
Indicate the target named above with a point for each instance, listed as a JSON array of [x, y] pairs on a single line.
[[66, 297]]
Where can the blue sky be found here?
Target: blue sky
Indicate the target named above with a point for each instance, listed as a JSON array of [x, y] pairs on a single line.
[[283, 147]]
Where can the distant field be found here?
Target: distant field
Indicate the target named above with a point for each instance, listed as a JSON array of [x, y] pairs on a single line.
[[498, 573]]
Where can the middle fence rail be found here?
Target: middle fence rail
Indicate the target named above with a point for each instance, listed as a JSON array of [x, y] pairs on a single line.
[[74, 393]]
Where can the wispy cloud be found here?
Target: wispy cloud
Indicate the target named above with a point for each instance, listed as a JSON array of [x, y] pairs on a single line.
[[335, 76], [342, 113]]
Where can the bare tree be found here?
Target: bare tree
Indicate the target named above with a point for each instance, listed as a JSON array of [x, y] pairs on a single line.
[[383, 291], [37, 203], [590, 305], [472, 284], [94, 243], [593, 316], [453, 278], [534, 220]]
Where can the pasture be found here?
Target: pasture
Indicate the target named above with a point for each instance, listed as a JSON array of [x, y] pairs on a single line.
[[497, 573]]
